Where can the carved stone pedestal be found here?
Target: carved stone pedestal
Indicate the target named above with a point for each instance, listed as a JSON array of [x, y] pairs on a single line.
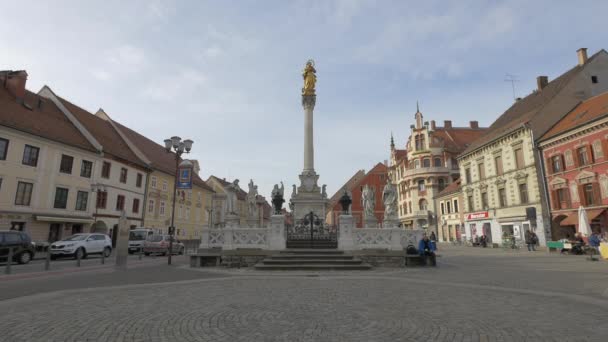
[[276, 239], [370, 222], [232, 221]]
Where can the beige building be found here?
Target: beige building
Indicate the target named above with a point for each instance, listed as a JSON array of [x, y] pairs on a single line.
[[219, 201], [502, 191], [451, 218], [426, 166], [191, 205]]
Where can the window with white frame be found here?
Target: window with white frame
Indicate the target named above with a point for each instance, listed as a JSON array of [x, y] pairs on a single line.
[[153, 182], [162, 208], [165, 185], [151, 206]]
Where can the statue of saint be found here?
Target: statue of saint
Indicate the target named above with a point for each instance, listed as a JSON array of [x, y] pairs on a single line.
[[369, 201], [231, 197], [252, 197], [310, 78], [389, 197]]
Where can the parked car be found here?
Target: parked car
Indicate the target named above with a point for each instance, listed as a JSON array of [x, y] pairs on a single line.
[[137, 238], [21, 243], [81, 245], [159, 244]]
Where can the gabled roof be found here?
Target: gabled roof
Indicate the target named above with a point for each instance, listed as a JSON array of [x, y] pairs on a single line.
[[349, 185], [400, 154], [539, 110], [160, 159], [104, 133], [241, 194], [450, 189], [586, 112], [44, 119]]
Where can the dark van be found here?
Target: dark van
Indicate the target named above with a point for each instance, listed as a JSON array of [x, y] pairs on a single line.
[[20, 242]]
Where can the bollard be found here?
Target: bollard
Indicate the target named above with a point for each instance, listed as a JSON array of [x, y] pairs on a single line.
[[77, 258], [9, 261], [103, 258], [47, 261]]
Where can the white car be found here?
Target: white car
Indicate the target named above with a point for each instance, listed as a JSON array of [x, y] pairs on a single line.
[[81, 245]]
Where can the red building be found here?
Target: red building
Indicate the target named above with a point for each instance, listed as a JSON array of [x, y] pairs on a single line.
[[376, 179], [575, 154]]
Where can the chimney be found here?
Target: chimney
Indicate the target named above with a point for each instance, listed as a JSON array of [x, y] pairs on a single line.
[[14, 82], [541, 82], [474, 124], [433, 125], [447, 124], [582, 56]]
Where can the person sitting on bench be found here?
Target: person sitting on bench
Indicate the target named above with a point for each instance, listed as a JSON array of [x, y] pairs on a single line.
[[425, 247]]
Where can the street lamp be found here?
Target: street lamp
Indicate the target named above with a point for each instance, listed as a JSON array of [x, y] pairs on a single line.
[[96, 188], [179, 147]]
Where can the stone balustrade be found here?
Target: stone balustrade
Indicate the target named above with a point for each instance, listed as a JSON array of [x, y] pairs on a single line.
[[391, 238], [270, 238]]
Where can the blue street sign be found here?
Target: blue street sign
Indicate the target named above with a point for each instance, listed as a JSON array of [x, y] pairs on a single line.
[[185, 178]]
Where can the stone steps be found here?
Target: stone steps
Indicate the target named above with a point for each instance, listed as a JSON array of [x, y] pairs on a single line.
[[311, 260]]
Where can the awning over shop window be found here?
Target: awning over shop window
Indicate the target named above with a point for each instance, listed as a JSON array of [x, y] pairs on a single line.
[[572, 218], [64, 219]]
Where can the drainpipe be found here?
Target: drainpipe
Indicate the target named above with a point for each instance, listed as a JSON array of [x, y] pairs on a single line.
[[544, 195], [145, 206]]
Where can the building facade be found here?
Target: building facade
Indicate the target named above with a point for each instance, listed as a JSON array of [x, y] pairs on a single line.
[[502, 184], [575, 152], [426, 167], [219, 205], [451, 218], [374, 178], [334, 208]]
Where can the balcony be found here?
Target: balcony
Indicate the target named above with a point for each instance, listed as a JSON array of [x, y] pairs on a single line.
[[424, 170]]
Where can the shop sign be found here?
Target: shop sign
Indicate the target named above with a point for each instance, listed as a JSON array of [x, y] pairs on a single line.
[[478, 216]]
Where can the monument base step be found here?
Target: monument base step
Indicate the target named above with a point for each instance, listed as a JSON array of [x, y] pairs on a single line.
[[311, 260]]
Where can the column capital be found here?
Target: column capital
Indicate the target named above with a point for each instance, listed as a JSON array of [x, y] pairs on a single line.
[[309, 101]]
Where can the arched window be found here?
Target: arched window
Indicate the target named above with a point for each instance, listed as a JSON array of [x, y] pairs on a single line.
[[419, 138], [423, 204], [421, 186], [417, 163], [437, 162], [426, 162]]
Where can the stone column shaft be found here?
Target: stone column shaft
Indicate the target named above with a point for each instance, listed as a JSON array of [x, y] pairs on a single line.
[[308, 102]]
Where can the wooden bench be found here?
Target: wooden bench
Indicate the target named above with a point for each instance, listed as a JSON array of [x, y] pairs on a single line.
[[423, 260], [205, 259]]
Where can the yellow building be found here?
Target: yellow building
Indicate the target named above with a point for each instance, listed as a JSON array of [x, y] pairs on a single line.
[[191, 206]]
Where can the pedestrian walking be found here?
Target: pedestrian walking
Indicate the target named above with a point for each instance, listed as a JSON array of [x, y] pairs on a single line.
[[529, 240], [594, 241]]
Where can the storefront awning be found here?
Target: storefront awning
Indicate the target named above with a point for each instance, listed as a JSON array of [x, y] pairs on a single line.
[[572, 218], [64, 219]]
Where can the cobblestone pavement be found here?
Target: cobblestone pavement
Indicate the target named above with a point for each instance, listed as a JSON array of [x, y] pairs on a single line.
[[474, 295]]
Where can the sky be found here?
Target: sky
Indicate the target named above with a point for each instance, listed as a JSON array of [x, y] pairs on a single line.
[[227, 74]]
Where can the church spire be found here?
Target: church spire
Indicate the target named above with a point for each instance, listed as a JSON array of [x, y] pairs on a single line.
[[417, 107], [418, 117], [392, 142]]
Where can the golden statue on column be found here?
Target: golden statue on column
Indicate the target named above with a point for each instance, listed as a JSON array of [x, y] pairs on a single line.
[[310, 78]]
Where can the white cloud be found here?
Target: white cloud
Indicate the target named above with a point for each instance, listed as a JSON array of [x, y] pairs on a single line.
[[101, 75], [172, 84], [127, 57]]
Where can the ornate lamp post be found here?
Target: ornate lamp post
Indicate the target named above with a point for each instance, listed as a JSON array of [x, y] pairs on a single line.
[[175, 144], [96, 188]]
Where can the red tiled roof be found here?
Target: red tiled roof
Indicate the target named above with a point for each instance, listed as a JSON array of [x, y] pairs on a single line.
[[360, 174], [458, 139], [540, 110], [160, 159], [451, 188], [400, 154], [104, 133], [43, 120], [588, 111]]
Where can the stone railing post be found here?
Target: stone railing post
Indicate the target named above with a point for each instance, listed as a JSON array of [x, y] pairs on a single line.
[[276, 232], [204, 239], [396, 235], [345, 238], [228, 232]]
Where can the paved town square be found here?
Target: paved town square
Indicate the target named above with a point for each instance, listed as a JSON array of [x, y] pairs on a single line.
[[474, 294]]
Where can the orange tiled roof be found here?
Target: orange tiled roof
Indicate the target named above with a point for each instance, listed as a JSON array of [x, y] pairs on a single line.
[[44, 119], [587, 111], [451, 188]]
